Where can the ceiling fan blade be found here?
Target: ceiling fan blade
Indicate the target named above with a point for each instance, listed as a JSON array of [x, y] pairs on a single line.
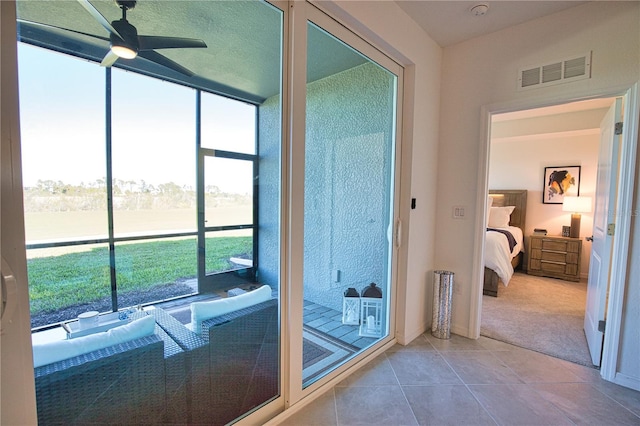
[[109, 59], [98, 17], [159, 42], [37, 25], [164, 61]]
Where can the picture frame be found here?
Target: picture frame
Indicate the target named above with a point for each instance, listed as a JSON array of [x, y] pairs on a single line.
[[560, 181]]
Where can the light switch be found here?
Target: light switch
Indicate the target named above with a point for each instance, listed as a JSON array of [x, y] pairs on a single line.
[[458, 212]]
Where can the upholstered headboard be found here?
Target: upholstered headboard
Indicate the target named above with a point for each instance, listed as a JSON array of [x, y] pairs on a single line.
[[512, 197]]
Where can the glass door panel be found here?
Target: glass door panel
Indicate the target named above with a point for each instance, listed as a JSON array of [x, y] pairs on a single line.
[[114, 188], [228, 197], [349, 198]]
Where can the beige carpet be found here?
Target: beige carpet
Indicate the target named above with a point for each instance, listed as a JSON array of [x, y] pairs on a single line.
[[542, 314]]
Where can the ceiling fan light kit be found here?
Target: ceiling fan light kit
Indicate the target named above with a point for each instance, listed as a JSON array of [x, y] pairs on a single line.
[[125, 42], [123, 52]]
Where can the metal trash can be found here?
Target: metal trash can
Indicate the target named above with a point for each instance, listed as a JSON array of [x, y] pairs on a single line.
[[442, 293]]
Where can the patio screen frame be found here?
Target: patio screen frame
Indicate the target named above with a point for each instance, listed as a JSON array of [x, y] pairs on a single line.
[[207, 283]]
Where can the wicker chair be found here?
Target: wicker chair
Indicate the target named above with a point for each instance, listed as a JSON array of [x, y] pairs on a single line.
[[244, 360], [162, 378]]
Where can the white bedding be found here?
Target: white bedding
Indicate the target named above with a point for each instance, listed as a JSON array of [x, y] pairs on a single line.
[[497, 255]]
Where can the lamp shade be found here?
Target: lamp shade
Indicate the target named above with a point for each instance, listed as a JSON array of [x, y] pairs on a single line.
[[576, 204]]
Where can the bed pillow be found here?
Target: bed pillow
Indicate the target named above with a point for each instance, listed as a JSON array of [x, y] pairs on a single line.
[[57, 350], [489, 204], [201, 311], [499, 217]]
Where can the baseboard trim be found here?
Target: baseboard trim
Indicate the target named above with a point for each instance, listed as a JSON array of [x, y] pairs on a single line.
[[627, 381], [405, 339]]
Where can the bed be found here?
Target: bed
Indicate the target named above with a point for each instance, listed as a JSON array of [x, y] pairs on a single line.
[[502, 257]]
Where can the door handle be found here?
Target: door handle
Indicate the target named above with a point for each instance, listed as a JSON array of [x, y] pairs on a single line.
[[9, 294], [589, 238]]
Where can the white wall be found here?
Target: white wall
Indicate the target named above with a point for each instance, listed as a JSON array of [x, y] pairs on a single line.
[[518, 162], [385, 25], [609, 29]]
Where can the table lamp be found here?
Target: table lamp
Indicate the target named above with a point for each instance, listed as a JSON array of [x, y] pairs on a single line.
[[576, 205]]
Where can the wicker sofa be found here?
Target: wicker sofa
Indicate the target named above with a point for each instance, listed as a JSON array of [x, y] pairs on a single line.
[[149, 380], [174, 376]]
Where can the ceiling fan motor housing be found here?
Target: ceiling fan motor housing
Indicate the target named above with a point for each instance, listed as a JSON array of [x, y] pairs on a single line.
[[129, 35], [126, 4]]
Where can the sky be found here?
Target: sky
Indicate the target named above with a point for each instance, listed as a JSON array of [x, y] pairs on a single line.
[[62, 113]]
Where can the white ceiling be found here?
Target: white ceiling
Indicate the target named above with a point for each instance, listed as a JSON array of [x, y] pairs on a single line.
[[451, 22], [239, 47]]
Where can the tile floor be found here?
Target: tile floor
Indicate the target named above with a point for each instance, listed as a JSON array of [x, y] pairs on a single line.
[[470, 382]]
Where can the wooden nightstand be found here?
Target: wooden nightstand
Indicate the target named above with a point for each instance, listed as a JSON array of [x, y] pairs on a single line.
[[557, 257]]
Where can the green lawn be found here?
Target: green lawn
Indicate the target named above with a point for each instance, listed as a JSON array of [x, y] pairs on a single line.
[[57, 282]]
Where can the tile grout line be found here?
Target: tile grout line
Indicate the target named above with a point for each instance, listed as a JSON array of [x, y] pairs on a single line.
[[467, 387], [335, 405], [612, 399], [402, 388]]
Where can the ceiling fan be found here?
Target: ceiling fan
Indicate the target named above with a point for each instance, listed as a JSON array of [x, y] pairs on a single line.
[[127, 44]]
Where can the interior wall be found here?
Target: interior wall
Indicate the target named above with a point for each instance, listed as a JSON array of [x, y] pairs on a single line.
[[612, 35], [520, 165], [387, 27]]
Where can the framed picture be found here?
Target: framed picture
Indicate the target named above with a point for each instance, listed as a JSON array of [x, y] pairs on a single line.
[[560, 181]]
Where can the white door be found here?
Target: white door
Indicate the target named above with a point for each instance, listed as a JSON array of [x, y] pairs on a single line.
[[606, 189], [18, 402]]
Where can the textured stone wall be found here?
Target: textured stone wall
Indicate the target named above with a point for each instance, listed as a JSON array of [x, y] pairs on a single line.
[[348, 167]]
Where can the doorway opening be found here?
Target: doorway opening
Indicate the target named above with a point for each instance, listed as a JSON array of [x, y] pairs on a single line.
[[542, 308]]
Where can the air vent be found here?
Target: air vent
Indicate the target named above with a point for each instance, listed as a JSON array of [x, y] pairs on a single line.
[[575, 67], [531, 77], [564, 71], [552, 72]]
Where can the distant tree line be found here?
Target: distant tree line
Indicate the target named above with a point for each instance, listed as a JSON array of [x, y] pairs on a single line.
[[57, 196]]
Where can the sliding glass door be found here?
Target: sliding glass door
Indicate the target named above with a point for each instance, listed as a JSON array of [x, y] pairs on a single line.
[[349, 200], [152, 192]]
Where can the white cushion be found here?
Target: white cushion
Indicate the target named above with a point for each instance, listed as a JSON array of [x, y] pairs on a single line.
[[499, 217], [201, 311], [50, 352], [489, 204]]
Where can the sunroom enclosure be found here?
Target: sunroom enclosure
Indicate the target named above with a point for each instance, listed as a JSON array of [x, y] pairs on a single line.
[[146, 191], [132, 238]]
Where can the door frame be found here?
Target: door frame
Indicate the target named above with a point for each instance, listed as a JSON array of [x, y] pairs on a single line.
[[619, 258], [209, 282], [324, 17], [18, 401]]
